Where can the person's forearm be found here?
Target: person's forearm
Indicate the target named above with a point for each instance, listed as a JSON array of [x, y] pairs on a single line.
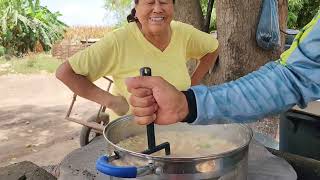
[[270, 90], [81, 86], [206, 63]]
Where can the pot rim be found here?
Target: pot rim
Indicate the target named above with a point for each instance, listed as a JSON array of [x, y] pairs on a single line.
[[176, 159]]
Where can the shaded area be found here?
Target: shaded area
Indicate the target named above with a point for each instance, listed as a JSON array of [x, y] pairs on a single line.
[[32, 124], [24, 171], [28, 129]]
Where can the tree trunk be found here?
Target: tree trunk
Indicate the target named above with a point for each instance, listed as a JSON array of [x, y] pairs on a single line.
[[236, 25], [207, 20], [190, 12], [283, 19]]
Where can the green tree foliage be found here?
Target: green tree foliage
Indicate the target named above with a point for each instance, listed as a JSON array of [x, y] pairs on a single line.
[[301, 12], [121, 9], [24, 23], [213, 21]]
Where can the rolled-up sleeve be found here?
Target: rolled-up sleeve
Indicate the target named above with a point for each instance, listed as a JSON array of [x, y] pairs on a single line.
[[100, 59], [200, 43]]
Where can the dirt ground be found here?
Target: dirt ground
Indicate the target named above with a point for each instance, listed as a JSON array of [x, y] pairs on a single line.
[[32, 124]]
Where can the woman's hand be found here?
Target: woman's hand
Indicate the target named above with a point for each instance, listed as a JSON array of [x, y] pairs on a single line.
[[83, 87], [119, 105]]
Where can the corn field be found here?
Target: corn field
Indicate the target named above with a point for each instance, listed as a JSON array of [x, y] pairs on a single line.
[[75, 34], [76, 39]]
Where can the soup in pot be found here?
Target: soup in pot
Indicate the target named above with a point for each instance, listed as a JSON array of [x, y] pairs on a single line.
[[182, 144]]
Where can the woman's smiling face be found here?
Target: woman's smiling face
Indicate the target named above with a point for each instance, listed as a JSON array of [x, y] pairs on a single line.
[[155, 16]]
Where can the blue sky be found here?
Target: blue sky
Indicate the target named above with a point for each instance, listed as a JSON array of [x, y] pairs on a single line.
[[81, 12]]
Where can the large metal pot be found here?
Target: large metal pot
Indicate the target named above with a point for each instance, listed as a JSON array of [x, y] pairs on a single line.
[[231, 165]]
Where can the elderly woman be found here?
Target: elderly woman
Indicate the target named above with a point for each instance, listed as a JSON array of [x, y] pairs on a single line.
[[151, 38]]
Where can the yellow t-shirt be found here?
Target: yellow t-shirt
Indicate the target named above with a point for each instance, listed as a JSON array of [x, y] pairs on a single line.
[[122, 52]]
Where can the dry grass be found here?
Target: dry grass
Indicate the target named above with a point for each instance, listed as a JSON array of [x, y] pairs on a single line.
[[73, 37], [76, 33], [31, 64]]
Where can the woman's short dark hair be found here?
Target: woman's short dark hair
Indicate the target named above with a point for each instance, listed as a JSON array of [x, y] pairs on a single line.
[[132, 16]]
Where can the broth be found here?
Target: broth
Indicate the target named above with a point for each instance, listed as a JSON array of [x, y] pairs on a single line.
[[182, 144]]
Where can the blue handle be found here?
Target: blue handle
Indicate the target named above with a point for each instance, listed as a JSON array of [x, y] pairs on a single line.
[[104, 167]]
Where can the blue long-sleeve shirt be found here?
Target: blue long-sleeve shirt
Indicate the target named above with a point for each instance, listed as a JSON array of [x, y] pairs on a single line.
[[275, 87]]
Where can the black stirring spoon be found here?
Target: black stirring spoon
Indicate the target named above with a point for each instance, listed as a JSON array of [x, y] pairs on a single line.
[[152, 148]]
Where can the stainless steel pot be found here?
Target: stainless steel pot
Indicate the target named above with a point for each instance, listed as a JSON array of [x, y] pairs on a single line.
[[231, 165]]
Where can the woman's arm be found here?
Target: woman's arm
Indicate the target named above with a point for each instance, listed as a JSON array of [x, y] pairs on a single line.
[[81, 86], [206, 62]]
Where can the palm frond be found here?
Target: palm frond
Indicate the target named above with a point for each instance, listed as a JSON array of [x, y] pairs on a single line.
[[25, 22]]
